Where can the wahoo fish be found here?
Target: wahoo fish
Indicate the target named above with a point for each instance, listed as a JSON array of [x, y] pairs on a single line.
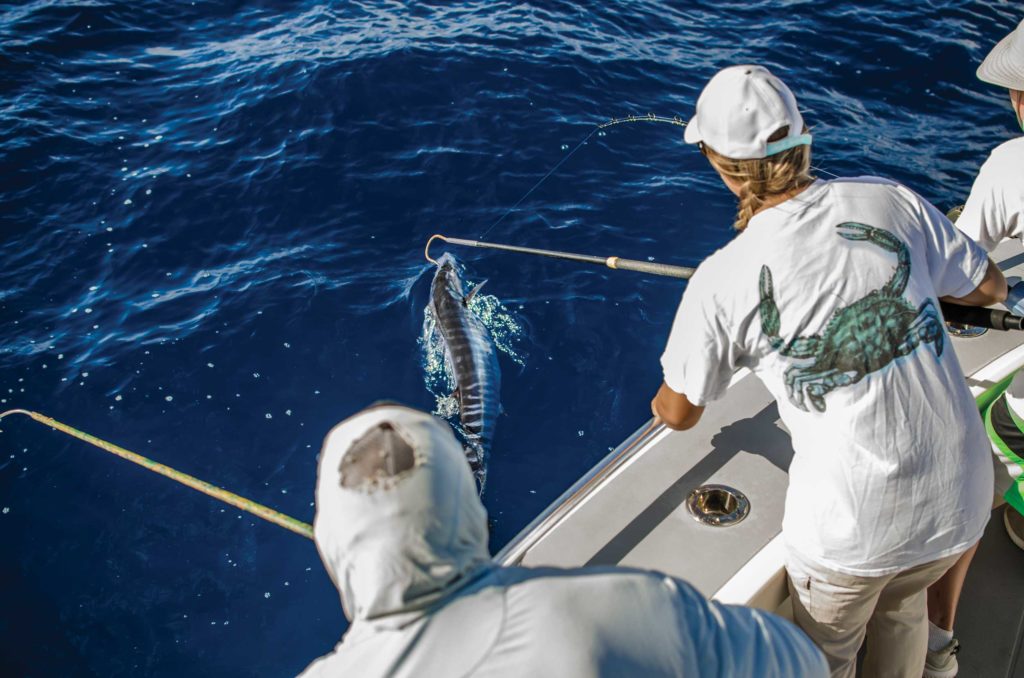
[[472, 361]]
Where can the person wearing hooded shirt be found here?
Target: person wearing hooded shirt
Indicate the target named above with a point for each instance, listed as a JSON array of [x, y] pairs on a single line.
[[403, 535], [993, 213]]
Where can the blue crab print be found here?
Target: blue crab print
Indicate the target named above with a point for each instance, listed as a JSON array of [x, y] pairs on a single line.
[[858, 339]]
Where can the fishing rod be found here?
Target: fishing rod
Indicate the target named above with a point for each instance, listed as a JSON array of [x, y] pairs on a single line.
[[976, 316], [599, 129], [650, 117], [220, 494], [979, 316]]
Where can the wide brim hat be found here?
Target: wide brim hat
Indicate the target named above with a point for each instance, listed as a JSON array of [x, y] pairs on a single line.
[[1004, 65]]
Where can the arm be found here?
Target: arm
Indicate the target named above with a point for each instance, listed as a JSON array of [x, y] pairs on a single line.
[[674, 409], [991, 289], [960, 270], [700, 355], [742, 642]]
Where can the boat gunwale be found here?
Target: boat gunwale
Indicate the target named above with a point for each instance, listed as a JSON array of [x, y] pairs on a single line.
[[627, 451]]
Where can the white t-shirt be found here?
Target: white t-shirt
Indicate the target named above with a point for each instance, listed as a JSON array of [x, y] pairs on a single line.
[[995, 208], [830, 298], [993, 213]]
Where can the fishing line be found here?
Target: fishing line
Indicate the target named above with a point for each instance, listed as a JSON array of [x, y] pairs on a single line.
[[650, 117], [537, 185], [239, 502]]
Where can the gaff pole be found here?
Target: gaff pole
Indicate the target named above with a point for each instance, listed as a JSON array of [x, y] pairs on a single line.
[[618, 263]]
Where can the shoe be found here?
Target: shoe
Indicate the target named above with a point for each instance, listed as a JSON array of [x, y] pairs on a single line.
[[1014, 523], [941, 663]]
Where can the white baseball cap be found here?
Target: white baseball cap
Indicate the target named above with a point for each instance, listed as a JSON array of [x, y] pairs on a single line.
[[1004, 65], [740, 108]]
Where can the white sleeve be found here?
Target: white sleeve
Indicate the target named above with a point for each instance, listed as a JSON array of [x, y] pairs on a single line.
[[995, 208], [741, 642], [700, 356], [956, 263]]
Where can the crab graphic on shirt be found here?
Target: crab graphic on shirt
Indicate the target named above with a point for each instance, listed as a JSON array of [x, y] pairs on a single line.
[[860, 338]]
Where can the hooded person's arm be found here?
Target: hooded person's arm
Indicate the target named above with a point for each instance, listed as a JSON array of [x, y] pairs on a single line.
[[742, 642]]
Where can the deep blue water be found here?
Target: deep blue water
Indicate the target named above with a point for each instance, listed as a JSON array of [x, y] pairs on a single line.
[[212, 225]]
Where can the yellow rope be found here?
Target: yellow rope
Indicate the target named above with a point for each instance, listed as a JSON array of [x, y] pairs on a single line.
[[258, 510]]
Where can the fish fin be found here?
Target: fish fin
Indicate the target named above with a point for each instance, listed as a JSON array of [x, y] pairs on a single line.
[[457, 395], [472, 293]]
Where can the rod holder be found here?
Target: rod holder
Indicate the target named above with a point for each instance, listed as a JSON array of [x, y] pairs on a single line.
[[717, 505]]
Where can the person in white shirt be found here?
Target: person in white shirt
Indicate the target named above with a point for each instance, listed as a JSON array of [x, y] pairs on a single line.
[[830, 293], [993, 213], [403, 535], [995, 208]]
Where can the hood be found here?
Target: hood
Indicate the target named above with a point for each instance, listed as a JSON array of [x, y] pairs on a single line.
[[398, 520]]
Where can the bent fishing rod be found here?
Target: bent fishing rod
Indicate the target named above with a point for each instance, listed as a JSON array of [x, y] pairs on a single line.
[[975, 316]]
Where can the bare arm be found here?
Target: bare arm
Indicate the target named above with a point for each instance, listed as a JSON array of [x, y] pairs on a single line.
[[674, 410], [991, 290]]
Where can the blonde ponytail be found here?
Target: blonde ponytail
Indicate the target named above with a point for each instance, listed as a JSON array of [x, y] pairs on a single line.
[[763, 178]]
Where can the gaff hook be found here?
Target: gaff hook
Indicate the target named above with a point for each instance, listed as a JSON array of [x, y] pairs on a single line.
[[426, 250]]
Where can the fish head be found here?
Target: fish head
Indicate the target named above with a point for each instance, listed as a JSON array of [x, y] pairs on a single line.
[[448, 263], [448, 277]]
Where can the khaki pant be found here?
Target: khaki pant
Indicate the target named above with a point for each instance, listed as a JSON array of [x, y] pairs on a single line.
[[837, 610]]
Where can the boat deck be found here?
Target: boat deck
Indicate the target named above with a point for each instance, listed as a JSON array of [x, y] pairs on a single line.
[[630, 509], [990, 622]]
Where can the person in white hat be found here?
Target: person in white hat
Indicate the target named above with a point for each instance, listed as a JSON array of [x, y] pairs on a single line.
[[995, 208], [403, 535], [829, 293], [994, 212]]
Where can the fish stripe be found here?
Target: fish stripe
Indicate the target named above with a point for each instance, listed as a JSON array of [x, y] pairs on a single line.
[[472, 357]]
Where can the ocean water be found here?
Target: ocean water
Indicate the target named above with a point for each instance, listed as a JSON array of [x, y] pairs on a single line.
[[213, 217]]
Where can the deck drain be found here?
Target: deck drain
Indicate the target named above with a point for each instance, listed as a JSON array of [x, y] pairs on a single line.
[[717, 505]]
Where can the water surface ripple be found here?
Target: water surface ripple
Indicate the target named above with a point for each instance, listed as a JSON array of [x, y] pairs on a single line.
[[213, 216]]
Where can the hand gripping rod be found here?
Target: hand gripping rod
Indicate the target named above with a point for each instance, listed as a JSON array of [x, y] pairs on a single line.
[[979, 316]]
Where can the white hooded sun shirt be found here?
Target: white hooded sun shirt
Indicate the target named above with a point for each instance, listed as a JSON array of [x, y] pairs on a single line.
[[995, 212], [406, 548], [995, 209], [831, 299]]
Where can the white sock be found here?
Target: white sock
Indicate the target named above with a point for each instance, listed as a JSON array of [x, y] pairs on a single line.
[[938, 638]]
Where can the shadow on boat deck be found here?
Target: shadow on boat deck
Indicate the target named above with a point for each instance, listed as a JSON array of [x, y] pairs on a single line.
[[990, 621]]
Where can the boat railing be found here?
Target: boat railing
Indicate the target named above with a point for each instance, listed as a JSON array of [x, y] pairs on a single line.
[[632, 447]]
